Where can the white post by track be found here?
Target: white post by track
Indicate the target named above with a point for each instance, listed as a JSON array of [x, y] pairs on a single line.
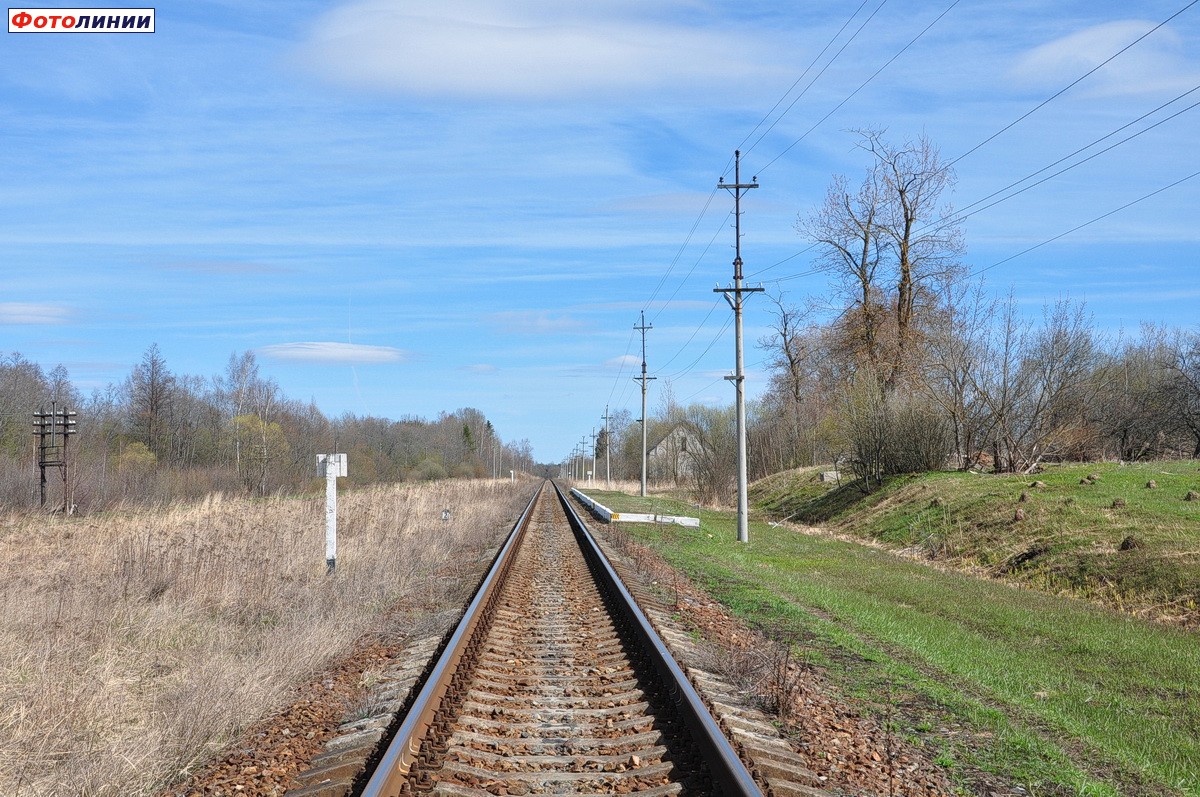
[[331, 466]]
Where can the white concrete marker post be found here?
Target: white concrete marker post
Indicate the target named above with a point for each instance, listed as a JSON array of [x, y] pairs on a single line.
[[331, 466]]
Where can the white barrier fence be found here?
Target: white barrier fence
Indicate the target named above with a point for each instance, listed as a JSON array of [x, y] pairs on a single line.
[[609, 516]]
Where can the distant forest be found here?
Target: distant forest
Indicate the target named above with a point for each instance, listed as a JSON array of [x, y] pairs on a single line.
[[159, 436]]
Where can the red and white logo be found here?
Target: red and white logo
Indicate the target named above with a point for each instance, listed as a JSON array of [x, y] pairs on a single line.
[[81, 20]]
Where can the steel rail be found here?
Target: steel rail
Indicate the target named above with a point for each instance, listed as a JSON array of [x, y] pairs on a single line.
[[402, 751], [726, 767], [729, 775]]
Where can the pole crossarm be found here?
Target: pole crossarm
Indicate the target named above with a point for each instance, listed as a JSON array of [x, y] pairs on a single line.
[[644, 380], [53, 429], [734, 296]]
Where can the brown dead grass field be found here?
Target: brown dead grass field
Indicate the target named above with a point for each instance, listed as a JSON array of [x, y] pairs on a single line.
[[135, 644]]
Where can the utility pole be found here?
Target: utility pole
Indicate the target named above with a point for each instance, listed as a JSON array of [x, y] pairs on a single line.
[[607, 453], [643, 379], [592, 477], [734, 297], [53, 429]]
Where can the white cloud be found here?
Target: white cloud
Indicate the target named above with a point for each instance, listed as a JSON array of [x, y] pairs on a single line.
[[520, 48], [534, 321], [624, 361], [31, 313], [334, 353], [1154, 64]]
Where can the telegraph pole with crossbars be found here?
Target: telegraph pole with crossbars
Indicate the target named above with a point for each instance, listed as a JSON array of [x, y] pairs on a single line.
[[644, 379], [53, 429], [734, 295]]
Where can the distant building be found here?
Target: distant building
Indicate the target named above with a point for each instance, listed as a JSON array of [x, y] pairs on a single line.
[[671, 456]]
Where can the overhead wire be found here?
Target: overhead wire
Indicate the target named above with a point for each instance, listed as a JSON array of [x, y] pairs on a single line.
[[1101, 217], [766, 116], [687, 369], [683, 247], [975, 148], [863, 85], [798, 97], [963, 214], [1069, 86], [621, 370], [695, 265]]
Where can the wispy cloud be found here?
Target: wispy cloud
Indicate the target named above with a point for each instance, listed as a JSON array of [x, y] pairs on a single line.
[[534, 322], [221, 267], [334, 353], [624, 361], [32, 313], [532, 49], [1154, 64]]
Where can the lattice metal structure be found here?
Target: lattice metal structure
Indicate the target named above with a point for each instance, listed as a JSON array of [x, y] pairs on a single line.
[[53, 429]]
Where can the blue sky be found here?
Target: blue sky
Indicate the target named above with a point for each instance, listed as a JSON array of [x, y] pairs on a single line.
[[404, 209]]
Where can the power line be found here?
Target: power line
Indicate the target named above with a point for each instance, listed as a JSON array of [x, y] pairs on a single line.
[[621, 370], [1101, 217], [682, 247], [812, 82], [1069, 86], [687, 369], [962, 215], [701, 390], [692, 337], [692, 270], [863, 85]]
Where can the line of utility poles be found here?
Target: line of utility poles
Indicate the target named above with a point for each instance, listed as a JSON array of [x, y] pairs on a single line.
[[607, 452], [734, 295], [643, 327]]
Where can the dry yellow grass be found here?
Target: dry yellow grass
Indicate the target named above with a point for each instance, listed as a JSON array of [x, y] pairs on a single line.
[[134, 645]]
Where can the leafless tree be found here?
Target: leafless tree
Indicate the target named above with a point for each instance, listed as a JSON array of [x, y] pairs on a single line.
[[924, 241], [954, 351], [1038, 385], [150, 388], [891, 240], [713, 456], [1182, 391], [847, 228]]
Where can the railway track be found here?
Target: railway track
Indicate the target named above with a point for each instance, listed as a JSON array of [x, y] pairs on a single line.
[[555, 683]]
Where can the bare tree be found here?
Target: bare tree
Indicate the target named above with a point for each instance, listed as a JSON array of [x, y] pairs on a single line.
[[847, 229], [1182, 392], [1132, 384], [1038, 385], [150, 388], [713, 456], [922, 236], [954, 351], [889, 240]]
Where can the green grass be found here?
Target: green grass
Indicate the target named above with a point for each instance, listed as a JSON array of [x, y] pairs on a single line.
[[1035, 674], [1069, 538]]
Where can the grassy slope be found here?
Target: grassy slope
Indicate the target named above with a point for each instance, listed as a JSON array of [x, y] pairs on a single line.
[[1069, 539], [1034, 674]]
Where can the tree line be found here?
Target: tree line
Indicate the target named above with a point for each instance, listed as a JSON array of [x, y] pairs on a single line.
[[159, 436], [907, 363]]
